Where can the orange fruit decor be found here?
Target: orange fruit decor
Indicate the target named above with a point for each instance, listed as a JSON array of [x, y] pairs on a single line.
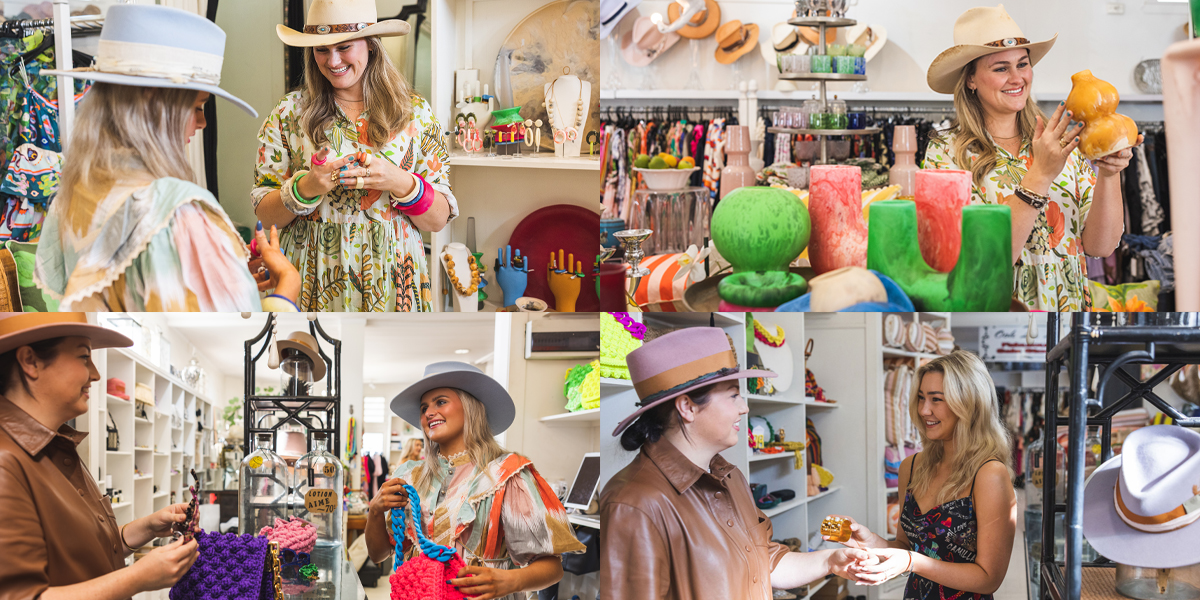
[[1094, 101]]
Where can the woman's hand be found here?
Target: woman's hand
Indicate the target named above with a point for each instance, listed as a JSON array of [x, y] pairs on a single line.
[[1049, 152], [391, 495], [163, 566], [320, 179], [379, 174], [845, 562], [1113, 164], [889, 562], [483, 583], [860, 537], [159, 524], [272, 270]]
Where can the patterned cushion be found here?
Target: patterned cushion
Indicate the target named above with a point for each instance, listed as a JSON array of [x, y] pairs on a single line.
[[1126, 297]]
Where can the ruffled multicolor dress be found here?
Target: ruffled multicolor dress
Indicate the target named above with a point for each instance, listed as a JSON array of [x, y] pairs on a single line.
[[1051, 274], [355, 252], [503, 516]]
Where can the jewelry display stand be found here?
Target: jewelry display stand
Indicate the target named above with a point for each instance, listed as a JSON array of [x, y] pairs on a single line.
[[568, 91], [461, 256]]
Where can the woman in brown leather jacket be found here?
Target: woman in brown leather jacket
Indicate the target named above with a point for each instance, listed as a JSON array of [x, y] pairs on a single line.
[[679, 521]]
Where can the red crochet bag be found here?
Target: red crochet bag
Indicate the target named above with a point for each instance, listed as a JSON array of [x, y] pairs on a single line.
[[423, 577]]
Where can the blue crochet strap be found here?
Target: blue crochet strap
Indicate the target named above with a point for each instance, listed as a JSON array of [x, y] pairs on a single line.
[[437, 552]]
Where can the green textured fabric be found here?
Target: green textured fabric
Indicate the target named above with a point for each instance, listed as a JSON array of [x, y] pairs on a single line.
[[32, 297]]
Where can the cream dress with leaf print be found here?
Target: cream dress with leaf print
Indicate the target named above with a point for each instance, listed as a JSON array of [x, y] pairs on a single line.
[[1051, 274], [355, 252]]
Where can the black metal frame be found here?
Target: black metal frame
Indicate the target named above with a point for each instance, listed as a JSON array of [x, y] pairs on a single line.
[[255, 408], [1090, 344]]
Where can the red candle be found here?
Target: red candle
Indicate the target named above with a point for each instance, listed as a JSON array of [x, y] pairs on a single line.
[[941, 195], [839, 233]]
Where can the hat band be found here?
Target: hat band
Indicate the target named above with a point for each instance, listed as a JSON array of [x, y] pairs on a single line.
[[180, 65], [339, 28], [685, 375], [21, 322], [1182, 516], [739, 43], [1008, 42]]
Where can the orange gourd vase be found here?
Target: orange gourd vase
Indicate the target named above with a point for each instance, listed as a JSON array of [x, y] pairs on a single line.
[[1094, 101]]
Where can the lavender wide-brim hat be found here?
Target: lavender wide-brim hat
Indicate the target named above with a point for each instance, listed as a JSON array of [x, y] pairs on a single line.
[[679, 362]]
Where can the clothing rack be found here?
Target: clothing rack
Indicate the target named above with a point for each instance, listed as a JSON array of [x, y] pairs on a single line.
[[617, 113]]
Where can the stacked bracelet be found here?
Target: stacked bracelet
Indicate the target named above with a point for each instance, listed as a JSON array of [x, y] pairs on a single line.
[[418, 201], [291, 198]]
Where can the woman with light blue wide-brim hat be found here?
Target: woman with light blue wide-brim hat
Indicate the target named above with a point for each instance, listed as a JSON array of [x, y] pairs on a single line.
[[129, 230]]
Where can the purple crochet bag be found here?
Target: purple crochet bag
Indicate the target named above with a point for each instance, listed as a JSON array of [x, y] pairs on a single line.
[[232, 567]]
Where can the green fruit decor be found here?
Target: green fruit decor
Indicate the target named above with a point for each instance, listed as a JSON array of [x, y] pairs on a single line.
[[760, 228], [642, 161]]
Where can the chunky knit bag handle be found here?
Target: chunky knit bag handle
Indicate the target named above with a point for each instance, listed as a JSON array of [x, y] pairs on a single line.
[[437, 552]]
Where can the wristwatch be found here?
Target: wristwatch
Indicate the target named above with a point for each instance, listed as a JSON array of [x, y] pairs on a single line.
[[1033, 199]]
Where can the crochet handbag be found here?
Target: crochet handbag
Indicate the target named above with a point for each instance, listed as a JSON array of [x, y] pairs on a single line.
[[295, 534], [425, 576]]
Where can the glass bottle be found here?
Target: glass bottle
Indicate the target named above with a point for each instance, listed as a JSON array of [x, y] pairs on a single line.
[[1091, 452], [318, 491], [264, 488], [295, 373]]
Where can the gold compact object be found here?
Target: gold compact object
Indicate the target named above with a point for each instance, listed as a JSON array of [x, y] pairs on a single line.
[[836, 529]]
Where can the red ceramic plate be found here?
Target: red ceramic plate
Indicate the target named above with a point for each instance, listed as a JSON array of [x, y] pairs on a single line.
[[574, 229]]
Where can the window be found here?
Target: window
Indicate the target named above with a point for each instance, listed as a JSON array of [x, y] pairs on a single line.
[[373, 442], [373, 410]]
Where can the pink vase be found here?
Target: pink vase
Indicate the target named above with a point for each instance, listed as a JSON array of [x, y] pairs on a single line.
[[839, 233], [737, 172], [941, 195], [904, 144]]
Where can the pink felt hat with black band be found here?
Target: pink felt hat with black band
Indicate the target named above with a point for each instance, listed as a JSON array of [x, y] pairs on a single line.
[[678, 363]]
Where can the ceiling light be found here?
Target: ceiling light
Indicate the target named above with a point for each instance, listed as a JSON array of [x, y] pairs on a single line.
[[462, 351]]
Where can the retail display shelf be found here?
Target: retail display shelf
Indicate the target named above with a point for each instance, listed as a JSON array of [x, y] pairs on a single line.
[[670, 95], [823, 494], [144, 362], [177, 429], [119, 452], [542, 160], [754, 398], [582, 417], [896, 352], [611, 385], [121, 505], [160, 454], [142, 477], [141, 420], [814, 588], [112, 398], [866, 131], [808, 401], [758, 457], [161, 494], [585, 520], [822, 77], [143, 449], [819, 21], [784, 507]]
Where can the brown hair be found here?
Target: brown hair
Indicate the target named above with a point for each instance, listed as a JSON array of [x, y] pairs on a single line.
[[10, 367], [387, 95], [651, 426]]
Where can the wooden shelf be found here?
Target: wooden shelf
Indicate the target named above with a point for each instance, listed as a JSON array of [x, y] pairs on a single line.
[[119, 452], [141, 420], [823, 494], [761, 456], [821, 77], [808, 401], [541, 160], [112, 398], [582, 417], [825, 132], [758, 398], [785, 506], [142, 477]]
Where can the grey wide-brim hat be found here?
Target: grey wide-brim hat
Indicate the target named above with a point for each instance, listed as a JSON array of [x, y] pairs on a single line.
[[159, 47], [453, 374]]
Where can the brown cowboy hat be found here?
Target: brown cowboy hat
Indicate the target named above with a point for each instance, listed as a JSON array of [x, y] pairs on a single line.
[[703, 23], [734, 40], [22, 329], [979, 32], [335, 21], [307, 344]]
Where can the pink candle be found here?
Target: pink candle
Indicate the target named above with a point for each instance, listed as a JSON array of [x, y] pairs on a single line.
[[941, 195], [839, 233]]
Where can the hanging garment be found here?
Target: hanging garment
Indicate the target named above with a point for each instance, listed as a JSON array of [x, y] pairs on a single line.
[[36, 160], [714, 157], [1152, 216]]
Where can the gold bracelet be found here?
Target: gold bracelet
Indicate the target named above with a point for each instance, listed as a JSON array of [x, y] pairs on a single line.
[[122, 534]]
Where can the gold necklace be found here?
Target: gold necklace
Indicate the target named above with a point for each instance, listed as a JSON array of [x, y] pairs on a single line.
[[454, 276]]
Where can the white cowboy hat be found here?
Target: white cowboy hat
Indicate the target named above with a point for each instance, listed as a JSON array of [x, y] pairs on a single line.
[[501, 410], [335, 21], [979, 32], [644, 43], [159, 47], [1142, 508], [307, 344], [611, 13]]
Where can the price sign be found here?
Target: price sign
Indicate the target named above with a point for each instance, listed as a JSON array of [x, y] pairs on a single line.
[[329, 469], [320, 501], [1037, 478]]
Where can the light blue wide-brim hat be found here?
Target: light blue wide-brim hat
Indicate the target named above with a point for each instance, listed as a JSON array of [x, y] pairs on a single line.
[[453, 374], [157, 46]]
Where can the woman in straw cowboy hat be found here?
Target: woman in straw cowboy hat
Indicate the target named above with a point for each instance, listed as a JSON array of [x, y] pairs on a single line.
[[959, 545], [679, 521], [128, 229], [60, 537], [352, 167], [489, 504], [1061, 208]]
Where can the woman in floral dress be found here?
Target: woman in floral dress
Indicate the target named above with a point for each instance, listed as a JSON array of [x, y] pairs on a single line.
[[1063, 206], [353, 167]]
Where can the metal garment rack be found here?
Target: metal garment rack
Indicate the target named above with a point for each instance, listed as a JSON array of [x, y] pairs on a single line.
[[1090, 344], [317, 414]]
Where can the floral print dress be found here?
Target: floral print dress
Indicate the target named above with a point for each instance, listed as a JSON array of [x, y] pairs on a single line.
[[1051, 274], [355, 252]]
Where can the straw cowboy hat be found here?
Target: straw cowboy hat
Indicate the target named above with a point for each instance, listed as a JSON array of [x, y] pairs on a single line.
[[979, 32], [160, 47], [335, 21], [679, 362], [611, 13], [1142, 508], [645, 42], [734, 40], [453, 374], [306, 344], [22, 329], [702, 24]]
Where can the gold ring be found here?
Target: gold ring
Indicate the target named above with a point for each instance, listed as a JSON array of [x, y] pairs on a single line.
[[358, 183], [333, 176], [368, 172], [1062, 143]]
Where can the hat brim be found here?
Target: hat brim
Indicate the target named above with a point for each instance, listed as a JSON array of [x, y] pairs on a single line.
[[385, 28], [1118, 542], [945, 69], [712, 18], [499, 404], [636, 56], [318, 362], [748, 374], [608, 25], [101, 337], [728, 58], [153, 82]]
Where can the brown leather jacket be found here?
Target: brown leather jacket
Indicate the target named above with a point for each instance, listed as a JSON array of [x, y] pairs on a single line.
[[55, 528], [671, 530]]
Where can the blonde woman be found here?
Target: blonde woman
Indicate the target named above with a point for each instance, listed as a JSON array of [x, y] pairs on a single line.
[[412, 450], [353, 167], [959, 515], [476, 497], [128, 230], [1063, 205]]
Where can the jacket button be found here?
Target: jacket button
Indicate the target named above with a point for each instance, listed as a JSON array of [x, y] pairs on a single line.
[[80, 492], [729, 522], [756, 579], [100, 518], [67, 462], [747, 548]]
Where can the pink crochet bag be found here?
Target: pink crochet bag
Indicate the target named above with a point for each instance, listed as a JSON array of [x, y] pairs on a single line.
[[295, 533], [424, 577]]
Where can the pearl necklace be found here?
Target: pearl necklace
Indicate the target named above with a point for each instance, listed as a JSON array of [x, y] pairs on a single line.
[[564, 134], [454, 276]]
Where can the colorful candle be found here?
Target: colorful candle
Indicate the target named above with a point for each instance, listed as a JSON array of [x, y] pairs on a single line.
[[941, 195], [839, 237]]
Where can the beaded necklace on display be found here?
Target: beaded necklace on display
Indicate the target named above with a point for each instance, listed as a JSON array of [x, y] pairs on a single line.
[[634, 328], [764, 336], [565, 134], [462, 291]]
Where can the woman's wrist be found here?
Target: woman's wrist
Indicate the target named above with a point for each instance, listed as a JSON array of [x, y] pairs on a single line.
[[312, 186], [406, 190], [1036, 183]]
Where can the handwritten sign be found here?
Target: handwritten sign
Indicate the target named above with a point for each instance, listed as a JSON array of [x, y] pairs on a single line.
[[1010, 343], [255, 462], [320, 501], [329, 469], [1036, 478]]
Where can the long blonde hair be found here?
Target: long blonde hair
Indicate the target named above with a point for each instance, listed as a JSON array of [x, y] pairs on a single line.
[[409, 451], [122, 131], [387, 95], [979, 436], [970, 130], [482, 447]]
